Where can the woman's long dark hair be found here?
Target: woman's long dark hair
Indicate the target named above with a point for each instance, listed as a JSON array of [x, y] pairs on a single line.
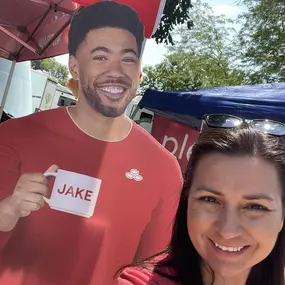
[[182, 256]]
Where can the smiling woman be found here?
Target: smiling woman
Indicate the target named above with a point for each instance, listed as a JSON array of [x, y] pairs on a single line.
[[229, 225]]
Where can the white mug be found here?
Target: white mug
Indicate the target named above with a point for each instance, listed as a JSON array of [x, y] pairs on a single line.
[[73, 193]]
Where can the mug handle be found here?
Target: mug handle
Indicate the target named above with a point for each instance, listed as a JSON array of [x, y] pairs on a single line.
[[49, 174]]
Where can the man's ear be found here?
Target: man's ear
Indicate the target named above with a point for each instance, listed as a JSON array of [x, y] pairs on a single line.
[[141, 76], [141, 73], [73, 67]]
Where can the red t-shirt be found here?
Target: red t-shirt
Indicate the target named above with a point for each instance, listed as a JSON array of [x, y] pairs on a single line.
[[142, 276], [55, 248]]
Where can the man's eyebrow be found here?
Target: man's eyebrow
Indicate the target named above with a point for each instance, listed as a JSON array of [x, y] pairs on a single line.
[[101, 48], [107, 50], [129, 50]]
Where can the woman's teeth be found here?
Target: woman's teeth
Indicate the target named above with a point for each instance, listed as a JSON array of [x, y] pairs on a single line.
[[113, 90], [230, 249]]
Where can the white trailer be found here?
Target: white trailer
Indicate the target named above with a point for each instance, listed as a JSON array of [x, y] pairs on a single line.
[[47, 93], [143, 117]]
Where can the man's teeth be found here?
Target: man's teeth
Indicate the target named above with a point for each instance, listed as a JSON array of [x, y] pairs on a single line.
[[113, 90], [230, 249]]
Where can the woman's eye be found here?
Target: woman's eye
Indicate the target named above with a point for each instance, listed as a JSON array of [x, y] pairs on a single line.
[[208, 199], [257, 207]]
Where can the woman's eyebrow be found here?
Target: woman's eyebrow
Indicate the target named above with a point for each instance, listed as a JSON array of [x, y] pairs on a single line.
[[258, 196]]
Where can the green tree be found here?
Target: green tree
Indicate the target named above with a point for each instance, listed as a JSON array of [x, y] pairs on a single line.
[[175, 13], [203, 56], [53, 67], [211, 35], [180, 71], [262, 40]]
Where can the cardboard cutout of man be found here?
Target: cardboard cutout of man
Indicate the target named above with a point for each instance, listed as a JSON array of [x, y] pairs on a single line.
[[110, 168]]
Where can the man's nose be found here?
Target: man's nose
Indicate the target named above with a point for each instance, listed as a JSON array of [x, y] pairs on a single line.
[[229, 224], [115, 69]]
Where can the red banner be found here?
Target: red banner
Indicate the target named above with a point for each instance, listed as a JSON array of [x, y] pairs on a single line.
[[149, 11], [175, 137]]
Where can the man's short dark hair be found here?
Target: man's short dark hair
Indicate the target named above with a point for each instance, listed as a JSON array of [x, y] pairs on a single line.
[[101, 15]]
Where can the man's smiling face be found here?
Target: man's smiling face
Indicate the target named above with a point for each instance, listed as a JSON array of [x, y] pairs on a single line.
[[108, 70]]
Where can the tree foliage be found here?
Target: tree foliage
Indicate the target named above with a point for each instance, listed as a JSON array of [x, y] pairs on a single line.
[[211, 35], [175, 13], [54, 68], [262, 40], [203, 56], [180, 71]]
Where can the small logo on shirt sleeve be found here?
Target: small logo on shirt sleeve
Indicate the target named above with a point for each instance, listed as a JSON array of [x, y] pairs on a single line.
[[134, 174]]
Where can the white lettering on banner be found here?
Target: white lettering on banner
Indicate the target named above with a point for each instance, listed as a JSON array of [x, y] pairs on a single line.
[[57, 41], [189, 152], [45, 40], [183, 146], [167, 139]]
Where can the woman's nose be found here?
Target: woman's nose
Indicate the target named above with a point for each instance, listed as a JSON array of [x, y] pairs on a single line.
[[229, 224]]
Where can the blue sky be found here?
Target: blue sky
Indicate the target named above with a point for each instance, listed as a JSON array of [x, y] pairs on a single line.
[[154, 53]]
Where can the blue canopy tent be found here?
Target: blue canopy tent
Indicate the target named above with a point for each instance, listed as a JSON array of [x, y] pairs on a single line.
[[250, 102]]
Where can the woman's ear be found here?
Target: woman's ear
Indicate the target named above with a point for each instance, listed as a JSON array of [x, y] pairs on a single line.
[[282, 225], [282, 221]]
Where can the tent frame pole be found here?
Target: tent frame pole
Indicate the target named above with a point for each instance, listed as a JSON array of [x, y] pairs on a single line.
[[7, 87], [18, 39]]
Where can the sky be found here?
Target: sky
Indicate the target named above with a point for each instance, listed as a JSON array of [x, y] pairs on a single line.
[[154, 53]]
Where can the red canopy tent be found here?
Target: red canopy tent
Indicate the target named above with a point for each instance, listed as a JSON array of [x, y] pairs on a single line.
[[38, 29]]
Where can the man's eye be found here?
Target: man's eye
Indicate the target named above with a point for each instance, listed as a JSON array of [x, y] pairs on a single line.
[[129, 59], [208, 199], [257, 207], [99, 57]]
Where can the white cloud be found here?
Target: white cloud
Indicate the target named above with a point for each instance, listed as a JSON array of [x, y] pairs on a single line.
[[224, 9], [63, 59], [231, 11], [153, 53]]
